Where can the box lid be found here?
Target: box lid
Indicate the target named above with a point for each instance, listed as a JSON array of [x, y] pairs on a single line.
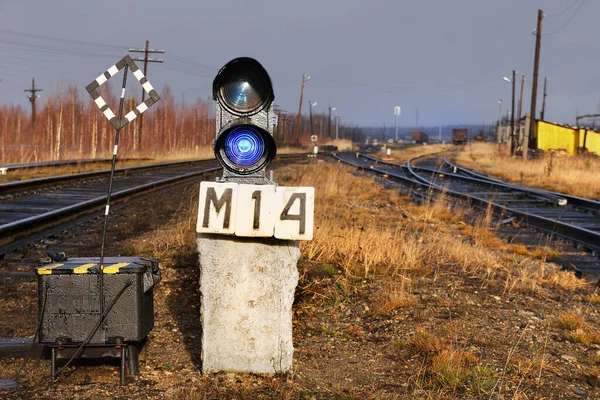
[[91, 265]]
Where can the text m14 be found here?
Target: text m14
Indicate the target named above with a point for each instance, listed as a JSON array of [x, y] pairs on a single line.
[[256, 210]]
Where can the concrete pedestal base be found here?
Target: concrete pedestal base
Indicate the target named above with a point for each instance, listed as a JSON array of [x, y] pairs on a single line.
[[247, 290]]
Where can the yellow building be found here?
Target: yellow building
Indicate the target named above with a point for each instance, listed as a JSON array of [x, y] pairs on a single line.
[[559, 137]]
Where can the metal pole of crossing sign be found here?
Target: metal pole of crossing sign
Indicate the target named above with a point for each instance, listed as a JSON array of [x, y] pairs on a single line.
[[110, 186], [117, 121]]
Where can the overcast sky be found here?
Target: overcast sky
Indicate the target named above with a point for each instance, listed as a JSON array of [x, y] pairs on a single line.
[[446, 58]]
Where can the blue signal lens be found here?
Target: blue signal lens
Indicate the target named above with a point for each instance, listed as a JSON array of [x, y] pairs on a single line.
[[244, 146]]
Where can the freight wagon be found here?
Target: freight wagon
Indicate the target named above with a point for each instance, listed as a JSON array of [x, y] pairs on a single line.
[[460, 136], [419, 137]]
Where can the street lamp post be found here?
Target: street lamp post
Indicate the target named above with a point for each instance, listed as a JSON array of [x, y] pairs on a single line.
[[329, 121], [397, 114], [310, 106], [337, 125], [512, 113], [499, 119]]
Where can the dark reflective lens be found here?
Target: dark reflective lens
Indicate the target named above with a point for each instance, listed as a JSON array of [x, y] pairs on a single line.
[[244, 86], [242, 96], [244, 146]]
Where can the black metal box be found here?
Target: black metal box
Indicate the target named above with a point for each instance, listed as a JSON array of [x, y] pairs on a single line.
[[69, 299]]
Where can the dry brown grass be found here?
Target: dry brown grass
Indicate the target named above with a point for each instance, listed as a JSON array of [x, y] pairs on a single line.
[[362, 231], [452, 368], [377, 233], [594, 298], [576, 328], [448, 368], [570, 321], [575, 175], [582, 336], [395, 295]]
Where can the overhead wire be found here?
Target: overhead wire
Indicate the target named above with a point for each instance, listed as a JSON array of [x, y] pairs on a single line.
[[80, 42], [411, 89], [565, 10], [566, 23], [81, 48]]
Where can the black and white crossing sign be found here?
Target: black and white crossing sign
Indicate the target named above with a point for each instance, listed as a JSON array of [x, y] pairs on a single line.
[[93, 87], [286, 213]]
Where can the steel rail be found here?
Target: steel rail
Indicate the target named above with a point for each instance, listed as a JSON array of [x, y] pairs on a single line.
[[39, 183], [550, 197], [400, 178], [585, 237], [5, 168], [18, 230], [573, 200]]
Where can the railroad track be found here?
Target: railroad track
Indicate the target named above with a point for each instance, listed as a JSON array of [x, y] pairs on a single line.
[[572, 219], [30, 210], [556, 213], [6, 168]]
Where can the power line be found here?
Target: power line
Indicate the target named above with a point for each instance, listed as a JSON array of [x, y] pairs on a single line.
[[187, 62], [57, 50], [176, 58], [563, 11], [403, 89], [188, 72], [31, 35], [569, 20]]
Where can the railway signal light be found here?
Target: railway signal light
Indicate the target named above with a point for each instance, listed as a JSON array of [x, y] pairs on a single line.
[[244, 143]]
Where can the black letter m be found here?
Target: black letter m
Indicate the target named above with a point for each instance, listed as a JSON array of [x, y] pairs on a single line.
[[211, 196]]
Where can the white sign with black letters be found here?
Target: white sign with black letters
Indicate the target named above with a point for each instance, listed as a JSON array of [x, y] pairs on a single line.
[[286, 213]]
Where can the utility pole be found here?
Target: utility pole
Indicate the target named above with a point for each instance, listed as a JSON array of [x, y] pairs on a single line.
[[32, 96], [521, 105], [337, 126], [304, 80], [544, 100], [137, 139], [536, 67], [512, 116]]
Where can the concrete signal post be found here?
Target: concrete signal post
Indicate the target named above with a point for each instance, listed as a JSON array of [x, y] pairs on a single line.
[[248, 230]]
